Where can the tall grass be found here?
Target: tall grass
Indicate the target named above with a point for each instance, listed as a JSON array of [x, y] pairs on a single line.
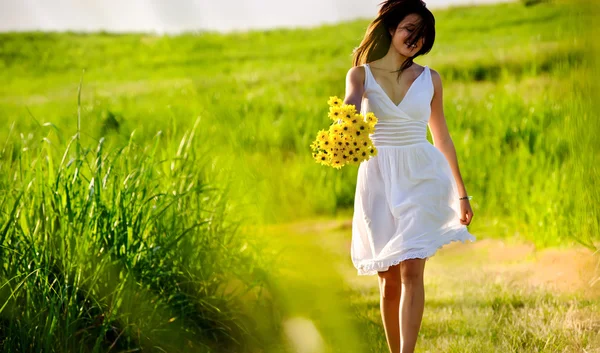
[[130, 247]]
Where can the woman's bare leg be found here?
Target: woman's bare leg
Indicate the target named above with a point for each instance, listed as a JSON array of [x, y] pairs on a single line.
[[390, 292], [412, 303]]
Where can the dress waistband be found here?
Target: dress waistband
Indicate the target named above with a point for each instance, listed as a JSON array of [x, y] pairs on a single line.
[[400, 133]]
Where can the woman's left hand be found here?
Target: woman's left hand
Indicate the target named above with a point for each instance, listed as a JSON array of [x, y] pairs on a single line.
[[466, 213]]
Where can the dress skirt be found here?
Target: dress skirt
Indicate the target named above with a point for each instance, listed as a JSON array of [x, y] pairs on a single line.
[[406, 206]]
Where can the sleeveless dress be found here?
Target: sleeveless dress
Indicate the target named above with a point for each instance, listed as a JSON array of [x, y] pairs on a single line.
[[406, 202]]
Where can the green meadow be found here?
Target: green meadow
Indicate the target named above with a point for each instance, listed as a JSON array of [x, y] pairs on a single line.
[[141, 178]]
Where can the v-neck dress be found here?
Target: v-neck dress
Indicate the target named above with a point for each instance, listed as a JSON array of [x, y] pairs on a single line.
[[406, 203]]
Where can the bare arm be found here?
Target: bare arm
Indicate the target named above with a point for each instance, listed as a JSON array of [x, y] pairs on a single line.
[[443, 141], [355, 86]]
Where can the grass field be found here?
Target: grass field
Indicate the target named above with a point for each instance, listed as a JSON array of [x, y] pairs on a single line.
[[129, 164], [517, 102]]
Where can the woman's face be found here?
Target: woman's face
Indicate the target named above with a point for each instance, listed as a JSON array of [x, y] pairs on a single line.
[[402, 33]]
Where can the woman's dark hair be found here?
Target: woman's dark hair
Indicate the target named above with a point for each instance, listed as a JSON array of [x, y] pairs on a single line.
[[377, 40]]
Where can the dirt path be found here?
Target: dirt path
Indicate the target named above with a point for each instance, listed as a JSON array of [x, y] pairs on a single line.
[[562, 271], [487, 296]]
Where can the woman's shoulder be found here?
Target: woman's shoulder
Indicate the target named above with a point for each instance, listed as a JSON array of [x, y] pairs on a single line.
[[433, 72], [435, 77], [357, 70], [356, 74]]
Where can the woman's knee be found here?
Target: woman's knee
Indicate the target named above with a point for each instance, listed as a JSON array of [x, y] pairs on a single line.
[[390, 282], [412, 270]]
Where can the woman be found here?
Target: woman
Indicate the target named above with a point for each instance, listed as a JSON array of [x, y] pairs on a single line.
[[410, 198]]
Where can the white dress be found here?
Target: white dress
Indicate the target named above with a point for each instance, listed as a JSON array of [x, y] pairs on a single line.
[[406, 203]]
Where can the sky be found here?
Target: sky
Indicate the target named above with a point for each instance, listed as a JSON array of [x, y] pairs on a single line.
[[175, 16]]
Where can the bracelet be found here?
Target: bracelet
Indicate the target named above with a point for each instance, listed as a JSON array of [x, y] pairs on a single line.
[[466, 198]]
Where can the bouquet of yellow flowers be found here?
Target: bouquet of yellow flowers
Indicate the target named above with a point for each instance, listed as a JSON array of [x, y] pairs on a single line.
[[347, 140]]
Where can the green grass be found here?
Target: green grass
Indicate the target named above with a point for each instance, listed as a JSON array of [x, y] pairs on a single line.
[[517, 101], [120, 249], [126, 233]]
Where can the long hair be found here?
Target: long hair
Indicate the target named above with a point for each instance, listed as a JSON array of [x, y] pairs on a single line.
[[378, 39]]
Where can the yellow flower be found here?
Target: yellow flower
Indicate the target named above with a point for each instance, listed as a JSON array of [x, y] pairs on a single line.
[[334, 101], [372, 150], [362, 126], [354, 145], [371, 119], [314, 145], [361, 153], [355, 159], [370, 128], [325, 144], [362, 129], [335, 156], [338, 164], [350, 152], [345, 157], [323, 135], [348, 129], [346, 119], [337, 140], [322, 158], [335, 113], [349, 109], [334, 129], [347, 140]]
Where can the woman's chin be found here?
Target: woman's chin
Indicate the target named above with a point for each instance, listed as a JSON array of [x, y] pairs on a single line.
[[408, 53]]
